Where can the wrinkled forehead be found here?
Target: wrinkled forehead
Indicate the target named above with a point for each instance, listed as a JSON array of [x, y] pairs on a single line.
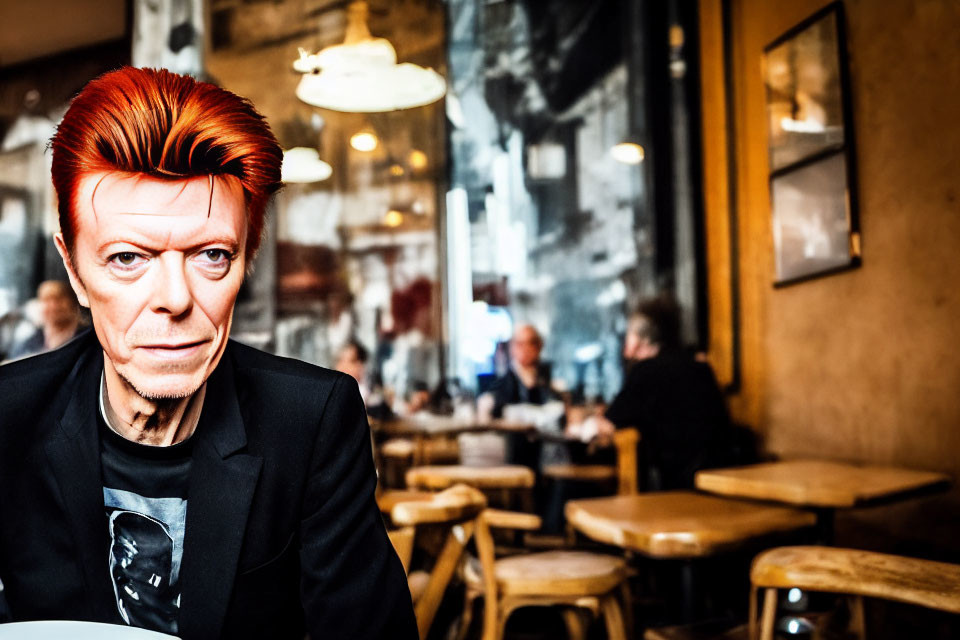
[[137, 193], [108, 199]]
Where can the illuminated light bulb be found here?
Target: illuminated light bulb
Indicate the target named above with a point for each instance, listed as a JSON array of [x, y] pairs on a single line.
[[418, 160], [794, 595], [627, 153], [364, 141], [396, 170], [393, 218]]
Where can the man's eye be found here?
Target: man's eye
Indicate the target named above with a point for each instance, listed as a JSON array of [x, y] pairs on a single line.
[[215, 255], [125, 259]]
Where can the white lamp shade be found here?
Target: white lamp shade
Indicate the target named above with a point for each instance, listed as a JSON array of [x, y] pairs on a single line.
[[372, 89], [302, 165]]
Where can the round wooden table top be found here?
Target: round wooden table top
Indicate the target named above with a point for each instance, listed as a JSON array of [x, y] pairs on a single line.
[[680, 524], [443, 476], [817, 483]]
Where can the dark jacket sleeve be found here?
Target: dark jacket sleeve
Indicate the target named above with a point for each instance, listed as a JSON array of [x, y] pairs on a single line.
[[353, 585]]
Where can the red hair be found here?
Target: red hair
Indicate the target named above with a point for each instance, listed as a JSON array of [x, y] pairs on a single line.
[[165, 125]]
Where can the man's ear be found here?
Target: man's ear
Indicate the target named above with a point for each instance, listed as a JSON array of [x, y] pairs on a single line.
[[75, 281]]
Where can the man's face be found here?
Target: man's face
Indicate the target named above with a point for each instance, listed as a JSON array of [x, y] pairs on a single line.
[[160, 276], [56, 307], [525, 347]]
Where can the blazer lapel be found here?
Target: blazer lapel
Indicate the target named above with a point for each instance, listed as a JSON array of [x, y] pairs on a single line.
[[74, 455], [222, 484]]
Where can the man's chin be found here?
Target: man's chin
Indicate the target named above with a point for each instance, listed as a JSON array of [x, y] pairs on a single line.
[[165, 386]]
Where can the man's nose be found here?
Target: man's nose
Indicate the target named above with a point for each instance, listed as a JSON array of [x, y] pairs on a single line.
[[172, 293]]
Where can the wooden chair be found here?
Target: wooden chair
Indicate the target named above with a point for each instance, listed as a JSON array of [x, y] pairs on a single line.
[[854, 573], [624, 471], [573, 579], [457, 507]]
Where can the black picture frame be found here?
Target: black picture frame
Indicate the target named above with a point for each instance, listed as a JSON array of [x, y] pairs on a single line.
[[813, 201]]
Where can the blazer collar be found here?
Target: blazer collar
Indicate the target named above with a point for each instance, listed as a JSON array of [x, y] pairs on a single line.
[[74, 455]]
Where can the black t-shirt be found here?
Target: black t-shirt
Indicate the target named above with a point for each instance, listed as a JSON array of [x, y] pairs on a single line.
[[145, 500]]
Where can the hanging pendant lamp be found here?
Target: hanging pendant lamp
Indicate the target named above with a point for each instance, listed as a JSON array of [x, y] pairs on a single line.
[[362, 75]]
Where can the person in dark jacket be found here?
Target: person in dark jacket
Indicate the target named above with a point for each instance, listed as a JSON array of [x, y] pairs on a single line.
[[670, 396], [154, 473]]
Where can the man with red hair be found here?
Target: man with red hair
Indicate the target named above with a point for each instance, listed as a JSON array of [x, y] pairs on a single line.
[[152, 472]]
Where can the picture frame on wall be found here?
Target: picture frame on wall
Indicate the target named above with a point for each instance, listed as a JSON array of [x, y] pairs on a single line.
[[810, 140]]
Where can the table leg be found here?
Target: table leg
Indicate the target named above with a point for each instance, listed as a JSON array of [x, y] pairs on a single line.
[[825, 526]]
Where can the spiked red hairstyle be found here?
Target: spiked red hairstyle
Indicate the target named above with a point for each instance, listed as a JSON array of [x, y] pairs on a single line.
[[164, 125]]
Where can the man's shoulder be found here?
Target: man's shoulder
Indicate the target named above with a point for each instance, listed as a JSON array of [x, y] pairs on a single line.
[[288, 372], [34, 372]]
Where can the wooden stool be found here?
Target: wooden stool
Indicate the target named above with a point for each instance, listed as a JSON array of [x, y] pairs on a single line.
[[934, 585], [577, 580], [457, 507]]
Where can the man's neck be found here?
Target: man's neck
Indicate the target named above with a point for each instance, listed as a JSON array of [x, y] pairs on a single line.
[[148, 421]]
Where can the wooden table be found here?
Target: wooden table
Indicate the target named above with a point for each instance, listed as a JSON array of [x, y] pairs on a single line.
[[680, 524], [821, 485], [818, 483], [509, 476], [435, 425]]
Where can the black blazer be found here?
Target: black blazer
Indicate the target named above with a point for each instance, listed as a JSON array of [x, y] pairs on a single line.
[[283, 535]]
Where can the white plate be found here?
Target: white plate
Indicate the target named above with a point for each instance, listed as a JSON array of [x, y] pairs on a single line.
[[75, 630]]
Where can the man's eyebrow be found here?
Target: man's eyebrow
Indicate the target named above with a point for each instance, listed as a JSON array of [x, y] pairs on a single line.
[[144, 243]]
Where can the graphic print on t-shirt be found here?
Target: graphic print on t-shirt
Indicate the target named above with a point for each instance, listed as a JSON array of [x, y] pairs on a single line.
[[146, 547]]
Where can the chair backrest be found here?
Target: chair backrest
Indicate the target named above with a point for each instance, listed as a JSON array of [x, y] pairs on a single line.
[[625, 441], [496, 519], [934, 585], [459, 506]]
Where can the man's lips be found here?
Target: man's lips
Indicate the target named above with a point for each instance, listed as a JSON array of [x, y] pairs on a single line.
[[174, 349]]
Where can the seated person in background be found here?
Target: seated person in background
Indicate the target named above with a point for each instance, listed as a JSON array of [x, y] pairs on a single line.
[[59, 316], [352, 360], [672, 398], [526, 382]]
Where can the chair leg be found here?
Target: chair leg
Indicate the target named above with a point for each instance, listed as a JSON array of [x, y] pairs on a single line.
[[752, 615], [627, 607], [613, 617], [857, 621], [469, 601], [576, 629], [769, 614]]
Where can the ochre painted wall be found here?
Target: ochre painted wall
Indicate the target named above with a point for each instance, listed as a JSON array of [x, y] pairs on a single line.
[[864, 365]]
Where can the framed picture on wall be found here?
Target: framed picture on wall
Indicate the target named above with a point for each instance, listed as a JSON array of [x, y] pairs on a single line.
[[810, 138]]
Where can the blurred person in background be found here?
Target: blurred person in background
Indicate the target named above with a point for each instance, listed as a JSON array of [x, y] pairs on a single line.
[[527, 381], [59, 318], [670, 396]]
